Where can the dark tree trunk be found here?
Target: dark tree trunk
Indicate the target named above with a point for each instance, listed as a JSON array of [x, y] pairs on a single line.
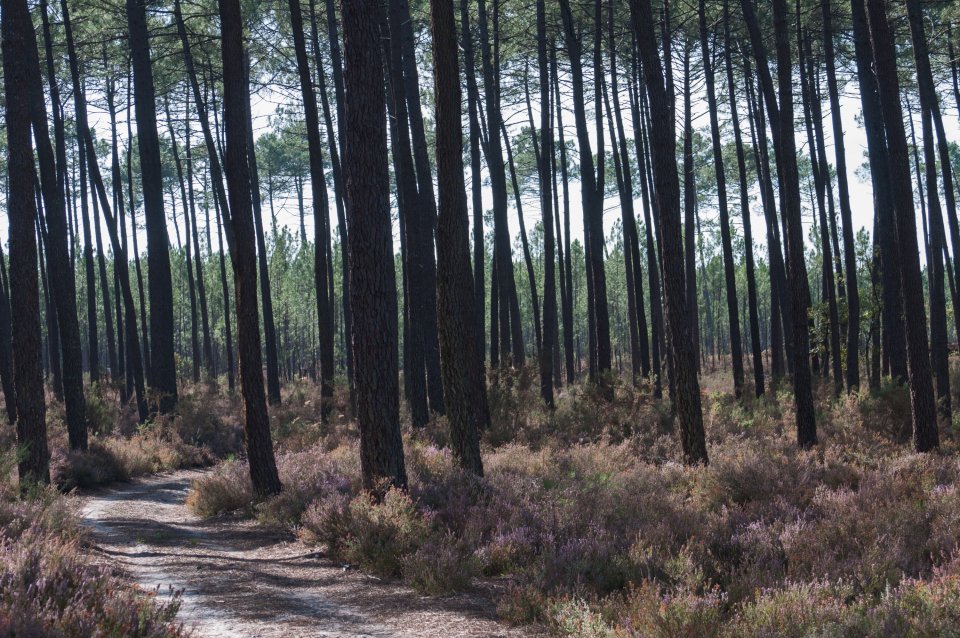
[[318, 191], [476, 179], [427, 199], [939, 348], [928, 97], [373, 293], [227, 326], [6, 352], [414, 223], [120, 262], [591, 181], [338, 187], [744, 211], [548, 335], [463, 378], [79, 100], [846, 215], [124, 370], [194, 331], [667, 192], [653, 263], [923, 407], [266, 294], [17, 37], [821, 180], [689, 205], [93, 337], [163, 372], [197, 257], [567, 283], [782, 122], [59, 255], [729, 268], [524, 242], [633, 270], [242, 242], [894, 341], [507, 287], [141, 289]]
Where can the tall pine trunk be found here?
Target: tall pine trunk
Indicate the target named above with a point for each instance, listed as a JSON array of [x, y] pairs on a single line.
[[373, 294], [162, 375], [242, 241], [922, 406], [463, 378], [33, 462]]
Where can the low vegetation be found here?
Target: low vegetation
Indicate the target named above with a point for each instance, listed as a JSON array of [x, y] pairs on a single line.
[[49, 584], [205, 428], [588, 521]]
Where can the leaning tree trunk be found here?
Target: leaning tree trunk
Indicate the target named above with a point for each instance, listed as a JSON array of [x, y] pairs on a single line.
[[782, 123], [59, 257], [894, 342], [756, 346], [846, 215], [240, 238]]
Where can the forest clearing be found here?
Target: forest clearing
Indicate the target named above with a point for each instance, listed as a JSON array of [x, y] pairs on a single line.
[[480, 318]]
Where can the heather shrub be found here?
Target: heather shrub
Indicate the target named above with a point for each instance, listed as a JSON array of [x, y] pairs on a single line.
[[523, 603], [47, 588], [102, 411], [381, 535], [208, 419], [649, 612], [378, 536], [886, 411], [800, 610], [590, 522], [155, 449], [306, 478], [326, 521], [440, 566], [574, 617], [97, 465], [226, 489]]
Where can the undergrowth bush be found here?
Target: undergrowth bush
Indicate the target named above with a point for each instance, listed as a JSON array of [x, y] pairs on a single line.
[[50, 587], [594, 526]]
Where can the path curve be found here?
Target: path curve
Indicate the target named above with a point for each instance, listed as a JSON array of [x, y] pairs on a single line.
[[240, 580]]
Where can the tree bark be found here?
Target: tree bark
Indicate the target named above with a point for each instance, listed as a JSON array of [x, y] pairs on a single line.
[[667, 192], [18, 36], [846, 215], [923, 408], [729, 268], [463, 379], [318, 191], [755, 343], [373, 295], [242, 242], [163, 372], [781, 123]]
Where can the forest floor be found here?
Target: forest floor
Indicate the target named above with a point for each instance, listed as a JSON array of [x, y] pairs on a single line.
[[240, 579]]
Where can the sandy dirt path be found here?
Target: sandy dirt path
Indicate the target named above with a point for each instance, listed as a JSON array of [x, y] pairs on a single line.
[[240, 580]]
